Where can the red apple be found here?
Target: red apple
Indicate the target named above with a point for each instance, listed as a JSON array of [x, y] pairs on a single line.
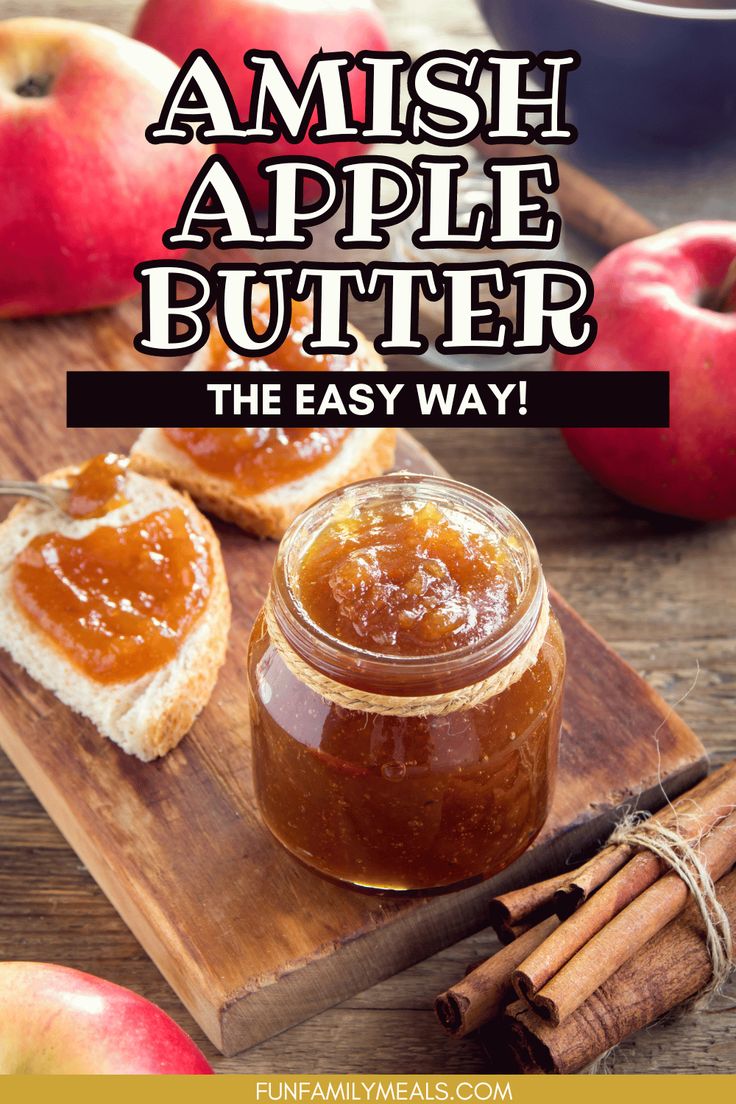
[[57, 1020], [658, 306], [84, 196], [295, 29]]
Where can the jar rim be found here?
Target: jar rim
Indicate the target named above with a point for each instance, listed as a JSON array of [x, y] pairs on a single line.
[[359, 667]]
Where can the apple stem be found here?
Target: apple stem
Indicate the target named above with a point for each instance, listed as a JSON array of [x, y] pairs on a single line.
[[33, 87], [724, 294]]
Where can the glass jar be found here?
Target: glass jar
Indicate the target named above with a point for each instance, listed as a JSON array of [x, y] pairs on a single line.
[[412, 802]]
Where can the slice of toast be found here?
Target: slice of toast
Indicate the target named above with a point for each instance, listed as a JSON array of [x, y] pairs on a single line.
[[364, 453], [150, 715]]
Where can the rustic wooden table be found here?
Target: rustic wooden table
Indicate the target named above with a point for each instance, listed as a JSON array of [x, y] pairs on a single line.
[[661, 591]]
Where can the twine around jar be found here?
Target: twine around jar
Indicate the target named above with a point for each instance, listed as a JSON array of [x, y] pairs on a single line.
[[396, 705]]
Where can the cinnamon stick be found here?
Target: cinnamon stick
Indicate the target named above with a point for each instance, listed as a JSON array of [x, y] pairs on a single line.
[[474, 965], [507, 933], [692, 815], [544, 963], [567, 891], [483, 992], [585, 204], [511, 911], [486, 987], [590, 877], [560, 894], [631, 929], [671, 969], [596, 212]]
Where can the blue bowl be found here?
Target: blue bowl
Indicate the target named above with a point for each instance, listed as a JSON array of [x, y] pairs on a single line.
[[648, 71]]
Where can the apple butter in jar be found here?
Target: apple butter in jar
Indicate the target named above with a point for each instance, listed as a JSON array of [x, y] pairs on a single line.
[[406, 677]]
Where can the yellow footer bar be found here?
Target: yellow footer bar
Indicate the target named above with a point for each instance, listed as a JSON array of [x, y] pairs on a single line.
[[255, 1089]]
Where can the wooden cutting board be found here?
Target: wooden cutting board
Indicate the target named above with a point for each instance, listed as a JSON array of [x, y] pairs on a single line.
[[250, 940]]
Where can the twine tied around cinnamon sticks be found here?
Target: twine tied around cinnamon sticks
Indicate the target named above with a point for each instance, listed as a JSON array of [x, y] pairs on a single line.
[[396, 705], [582, 947], [680, 855]]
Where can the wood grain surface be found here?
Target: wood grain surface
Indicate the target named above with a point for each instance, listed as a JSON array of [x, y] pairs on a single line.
[[251, 941], [662, 592]]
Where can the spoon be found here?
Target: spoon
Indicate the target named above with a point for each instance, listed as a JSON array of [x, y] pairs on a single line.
[[53, 494]]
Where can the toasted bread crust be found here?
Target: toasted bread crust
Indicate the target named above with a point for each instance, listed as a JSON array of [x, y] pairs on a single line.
[[264, 514], [164, 726], [170, 727], [259, 514]]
